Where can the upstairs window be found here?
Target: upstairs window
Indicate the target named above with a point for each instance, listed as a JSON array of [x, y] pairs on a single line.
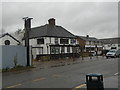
[[7, 42], [40, 41], [64, 41], [73, 41], [90, 42]]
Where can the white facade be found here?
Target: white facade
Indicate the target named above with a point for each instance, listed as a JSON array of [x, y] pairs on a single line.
[[92, 45], [110, 46], [11, 40], [45, 48]]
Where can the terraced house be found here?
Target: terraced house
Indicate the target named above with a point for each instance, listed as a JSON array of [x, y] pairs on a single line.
[[53, 41], [90, 44], [111, 43]]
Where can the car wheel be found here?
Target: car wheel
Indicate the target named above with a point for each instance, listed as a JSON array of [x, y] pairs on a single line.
[[107, 57], [119, 56]]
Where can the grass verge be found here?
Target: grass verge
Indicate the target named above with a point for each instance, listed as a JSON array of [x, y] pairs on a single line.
[[17, 68]]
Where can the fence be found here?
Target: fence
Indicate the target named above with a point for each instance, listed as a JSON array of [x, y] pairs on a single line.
[[12, 56]]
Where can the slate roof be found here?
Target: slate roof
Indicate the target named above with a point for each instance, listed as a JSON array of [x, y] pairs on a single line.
[[111, 40], [50, 31], [10, 36], [88, 38]]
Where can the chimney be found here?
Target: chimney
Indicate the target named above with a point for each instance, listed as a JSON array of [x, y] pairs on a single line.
[[51, 21], [87, 36], [27, 23]]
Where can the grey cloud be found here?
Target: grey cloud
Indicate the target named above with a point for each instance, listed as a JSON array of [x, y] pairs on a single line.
[[79, 18]]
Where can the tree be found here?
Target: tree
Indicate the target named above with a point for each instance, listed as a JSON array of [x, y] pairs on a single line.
[[2, 31]]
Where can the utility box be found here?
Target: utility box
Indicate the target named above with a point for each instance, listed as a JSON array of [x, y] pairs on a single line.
[[94, 82]]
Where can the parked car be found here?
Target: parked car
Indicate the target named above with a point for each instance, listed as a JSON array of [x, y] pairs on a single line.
[[113, 53], [93, 53]]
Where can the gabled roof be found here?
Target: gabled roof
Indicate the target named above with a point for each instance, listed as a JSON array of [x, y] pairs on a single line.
[[10, 36], [111, 40], [50, 31], [88, 38]]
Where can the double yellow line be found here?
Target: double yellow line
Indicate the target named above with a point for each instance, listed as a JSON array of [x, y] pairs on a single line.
[[80, 86], [14, 86]]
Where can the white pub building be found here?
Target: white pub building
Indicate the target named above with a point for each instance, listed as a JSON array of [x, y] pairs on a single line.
[[53, 41]]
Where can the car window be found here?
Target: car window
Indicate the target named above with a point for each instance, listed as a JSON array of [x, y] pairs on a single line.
[[118, 51], [113, 51]]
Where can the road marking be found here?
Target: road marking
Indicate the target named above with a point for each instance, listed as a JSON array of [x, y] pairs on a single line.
[[14, 86], [38, 79], [116, 74], [80, 86]]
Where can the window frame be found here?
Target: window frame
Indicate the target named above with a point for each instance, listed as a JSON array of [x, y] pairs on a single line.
[[39, 42], [63, 40]]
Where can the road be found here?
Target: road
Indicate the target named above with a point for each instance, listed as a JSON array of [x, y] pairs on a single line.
[[68, 76]]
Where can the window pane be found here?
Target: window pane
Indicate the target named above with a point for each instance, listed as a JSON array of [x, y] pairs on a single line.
[[40, 41], [55, 50], [68, 49], [73, 41], [62, 49], [64, 41]]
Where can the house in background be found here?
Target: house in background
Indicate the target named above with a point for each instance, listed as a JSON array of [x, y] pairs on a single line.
[[7, 39], [90, 44], [52, 40], [111, 43]]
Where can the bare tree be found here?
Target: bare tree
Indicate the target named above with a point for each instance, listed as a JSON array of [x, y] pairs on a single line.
[[2, 31]]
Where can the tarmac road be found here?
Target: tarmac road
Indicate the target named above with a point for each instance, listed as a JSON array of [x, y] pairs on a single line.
[[66, 76]]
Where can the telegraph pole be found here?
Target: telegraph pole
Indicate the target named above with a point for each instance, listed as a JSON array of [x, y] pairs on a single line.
[[27, 27]]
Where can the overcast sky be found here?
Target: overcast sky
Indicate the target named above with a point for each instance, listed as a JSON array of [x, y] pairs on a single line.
[[97, 19]]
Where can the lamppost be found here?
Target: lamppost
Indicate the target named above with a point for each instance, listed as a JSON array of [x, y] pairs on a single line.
[[90, 51], [27, 27]]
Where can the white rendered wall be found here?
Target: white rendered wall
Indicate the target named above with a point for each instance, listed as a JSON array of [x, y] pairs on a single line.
[[46, 44]]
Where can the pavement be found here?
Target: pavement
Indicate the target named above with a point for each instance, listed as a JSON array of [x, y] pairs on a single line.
[[62, 62], [107, 83], [67, 73]]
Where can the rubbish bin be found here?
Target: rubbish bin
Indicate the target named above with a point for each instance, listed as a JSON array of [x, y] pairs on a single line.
[[94, 82]]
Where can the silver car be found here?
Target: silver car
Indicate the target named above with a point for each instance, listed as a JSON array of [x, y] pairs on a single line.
[[113, 53]]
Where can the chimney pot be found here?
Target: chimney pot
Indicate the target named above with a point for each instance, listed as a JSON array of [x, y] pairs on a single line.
[[51, 21], [87, 36]]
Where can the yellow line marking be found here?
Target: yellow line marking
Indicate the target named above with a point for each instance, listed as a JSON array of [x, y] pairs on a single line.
[[83, 85], [14, 86], [80, 86], [39, 79]]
